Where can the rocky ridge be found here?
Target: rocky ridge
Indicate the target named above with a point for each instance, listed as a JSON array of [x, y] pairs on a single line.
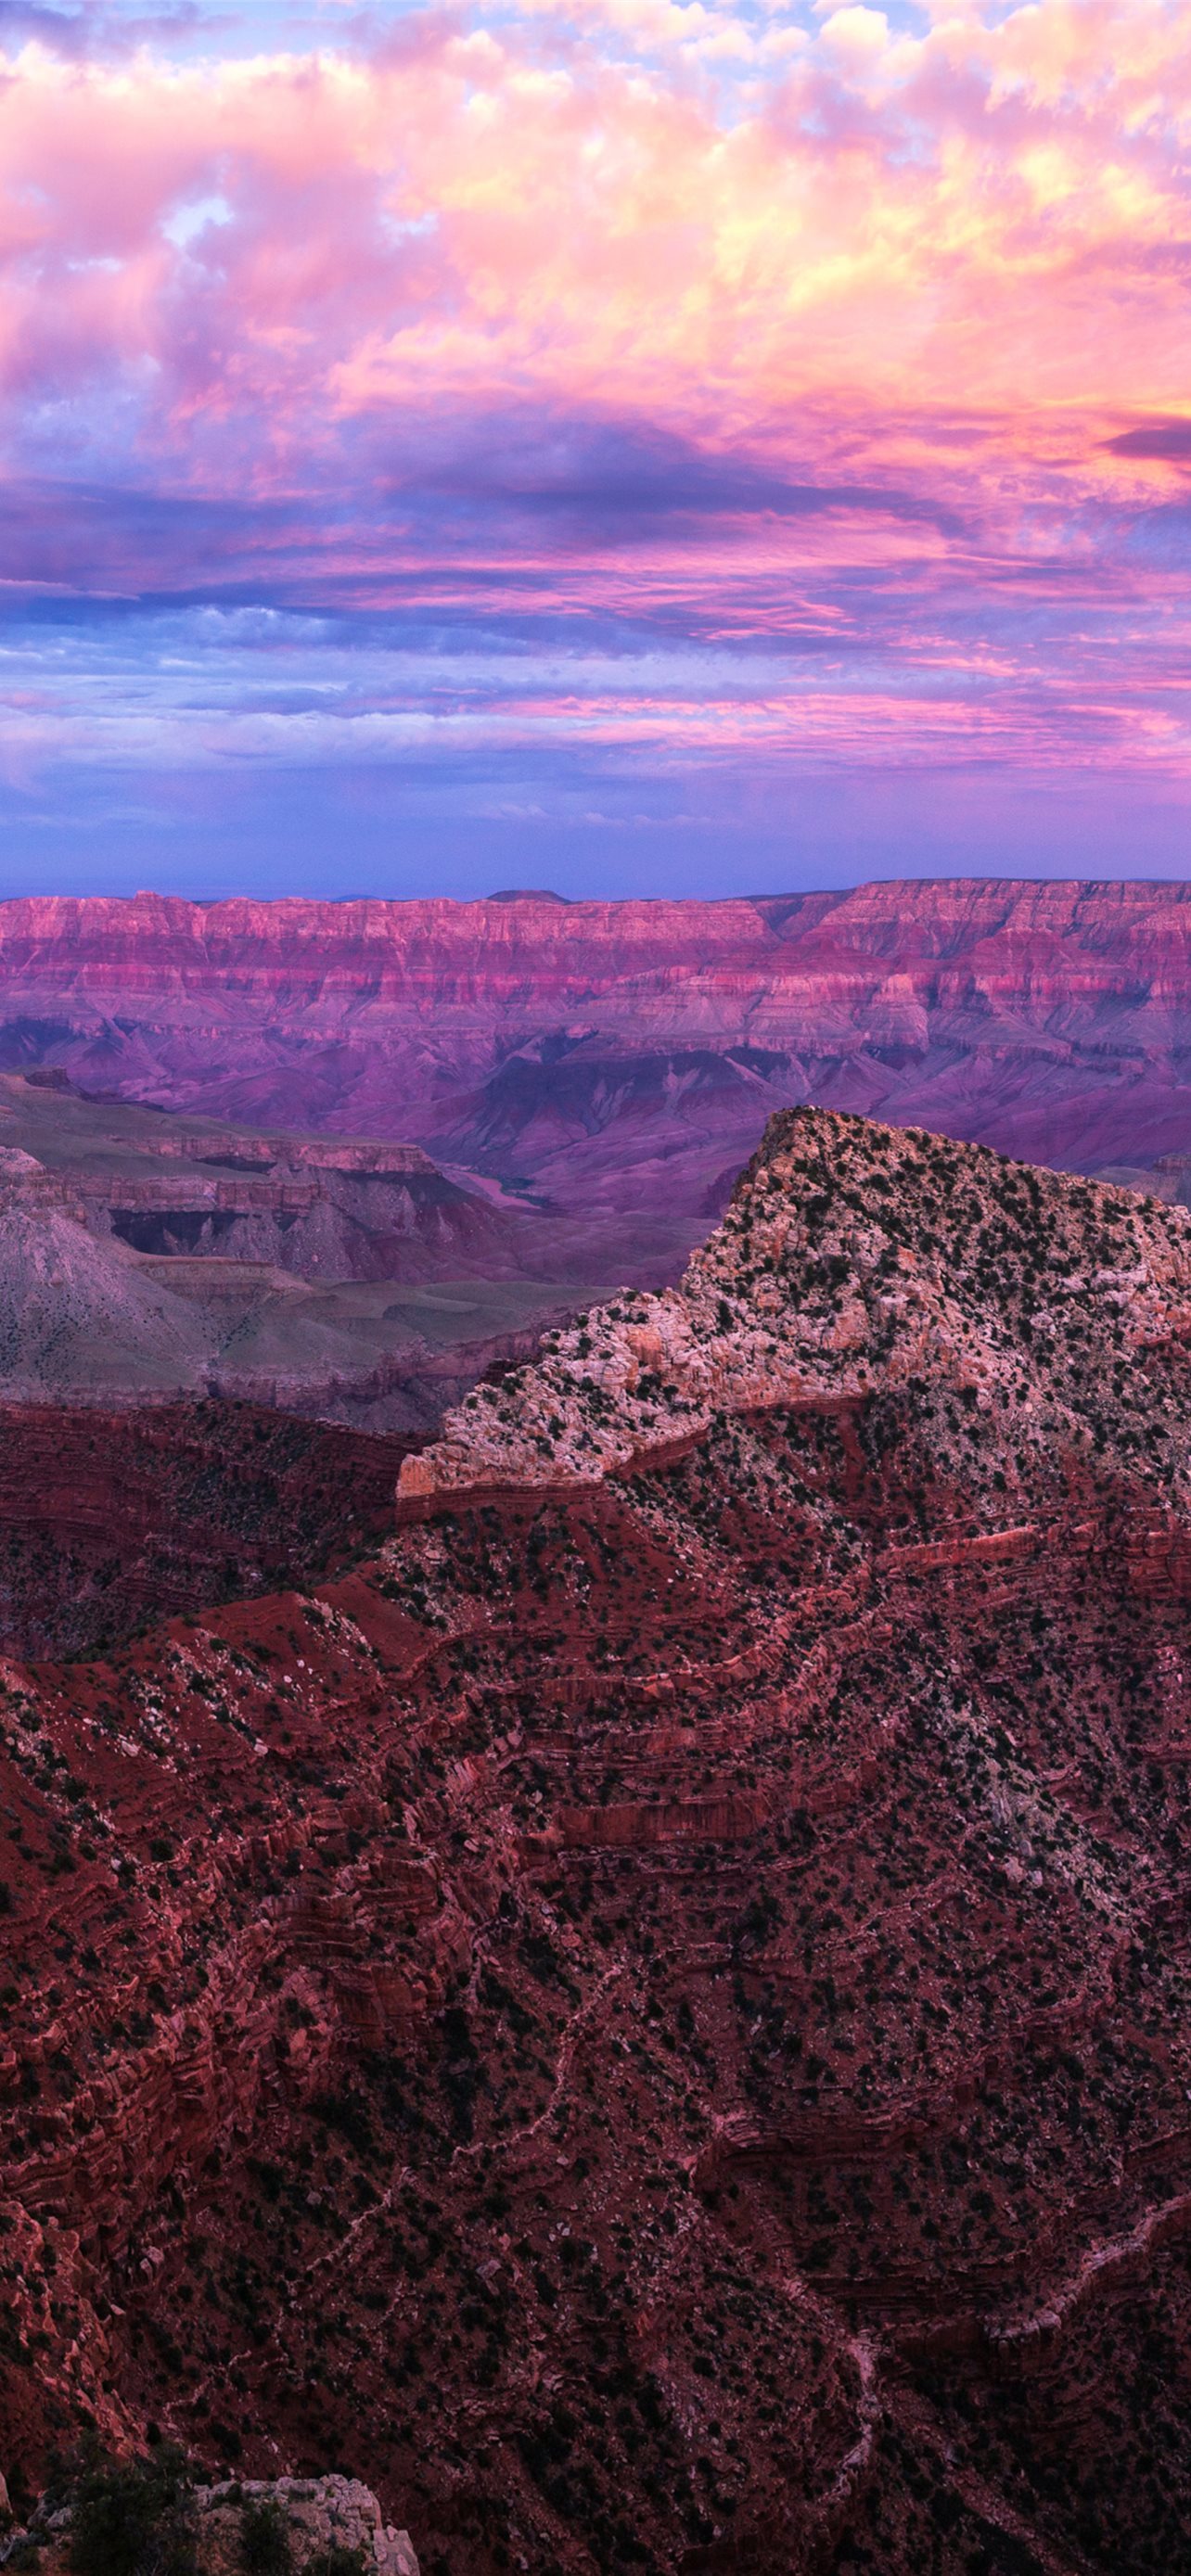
[[854, 1257], [649, 2018]]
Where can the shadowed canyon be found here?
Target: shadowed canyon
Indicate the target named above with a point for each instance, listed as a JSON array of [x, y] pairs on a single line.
[[641, 2006], [344, 1157]]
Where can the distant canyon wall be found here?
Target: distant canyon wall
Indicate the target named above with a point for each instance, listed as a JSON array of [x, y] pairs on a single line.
[[790, 970], [1051, 1019]]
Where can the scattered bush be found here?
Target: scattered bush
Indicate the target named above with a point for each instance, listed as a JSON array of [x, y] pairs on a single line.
[[264, 2538], [134, 2518]]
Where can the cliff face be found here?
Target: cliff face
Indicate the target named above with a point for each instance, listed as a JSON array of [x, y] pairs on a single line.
[[601, 1047], [648, 2020], [1005, 938]]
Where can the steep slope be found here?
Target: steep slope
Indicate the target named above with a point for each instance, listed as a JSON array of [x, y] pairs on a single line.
[[650, 2021], [80, 1316], [624, 1057], [110, 1520]]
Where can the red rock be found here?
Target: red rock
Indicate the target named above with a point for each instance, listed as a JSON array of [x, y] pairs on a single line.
[[627, 1054], [647, 2020], [107, 1520]]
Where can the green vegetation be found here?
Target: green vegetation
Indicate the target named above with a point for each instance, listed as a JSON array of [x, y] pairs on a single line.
[[134, 2517], [264, 2538]]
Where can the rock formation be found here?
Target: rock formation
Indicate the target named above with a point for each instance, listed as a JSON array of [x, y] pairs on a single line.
[[317, 1207], [298, 2525], [624, 1056], [647, 2018], [144, 1256], [109, 1520]]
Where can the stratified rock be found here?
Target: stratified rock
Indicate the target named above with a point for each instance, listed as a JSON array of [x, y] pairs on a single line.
[[144, 1257], [109, 1520], [626, 1055], [648, 2018]]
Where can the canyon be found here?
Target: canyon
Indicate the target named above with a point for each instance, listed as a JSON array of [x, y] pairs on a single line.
[[621, 1059], [146, 1256], [637, 2002], [344, 1158]]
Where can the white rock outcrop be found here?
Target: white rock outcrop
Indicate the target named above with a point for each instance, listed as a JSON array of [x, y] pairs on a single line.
[[321, 2513]]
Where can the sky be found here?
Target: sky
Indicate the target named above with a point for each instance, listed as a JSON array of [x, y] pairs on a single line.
[[630, 446]]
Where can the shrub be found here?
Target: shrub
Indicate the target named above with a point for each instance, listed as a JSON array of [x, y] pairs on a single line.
[[133, 2518], [264, 2538], [336, 2561]]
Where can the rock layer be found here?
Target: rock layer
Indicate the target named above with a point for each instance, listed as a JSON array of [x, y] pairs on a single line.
[[329, 1208], [649, 2019], [602, 1047], [108, 1521]]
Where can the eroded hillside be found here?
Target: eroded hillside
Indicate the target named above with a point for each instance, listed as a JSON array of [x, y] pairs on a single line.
[[145, 1257], [650, 2020], [111, 1520]]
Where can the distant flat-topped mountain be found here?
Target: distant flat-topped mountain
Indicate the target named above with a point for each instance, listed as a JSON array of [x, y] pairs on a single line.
[[621, 1058]]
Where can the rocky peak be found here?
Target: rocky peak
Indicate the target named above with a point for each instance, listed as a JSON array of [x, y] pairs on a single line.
[[648, 2019], [854, 1256]]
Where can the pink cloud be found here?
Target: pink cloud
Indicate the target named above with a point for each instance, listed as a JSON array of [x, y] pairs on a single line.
[[925, 289], [490, 216]]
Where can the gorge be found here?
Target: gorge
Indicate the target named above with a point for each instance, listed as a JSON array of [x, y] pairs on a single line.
[[343, 1158], [643, 2013], [591, 1046]]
